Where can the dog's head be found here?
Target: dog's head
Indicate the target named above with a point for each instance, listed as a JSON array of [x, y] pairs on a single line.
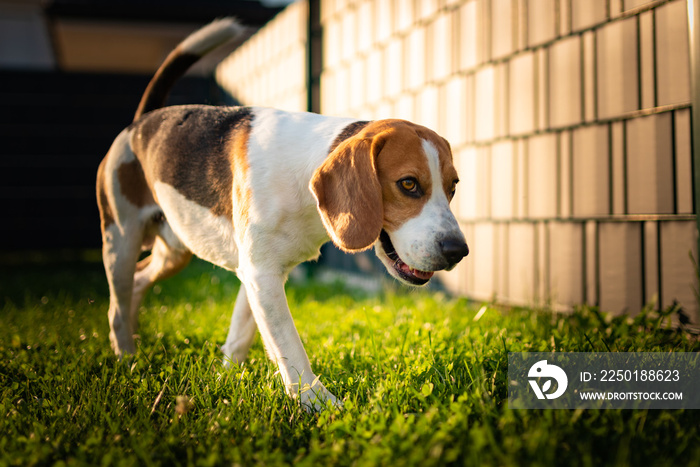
[[390, 185]]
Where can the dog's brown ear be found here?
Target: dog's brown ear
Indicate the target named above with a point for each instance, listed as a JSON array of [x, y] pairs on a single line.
[[348, 194]]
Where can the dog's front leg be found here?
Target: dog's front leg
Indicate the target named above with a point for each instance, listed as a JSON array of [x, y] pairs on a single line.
[[241, 332], [268, 303]]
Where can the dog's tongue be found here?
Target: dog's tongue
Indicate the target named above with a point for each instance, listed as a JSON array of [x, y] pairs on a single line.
[[424, 275]]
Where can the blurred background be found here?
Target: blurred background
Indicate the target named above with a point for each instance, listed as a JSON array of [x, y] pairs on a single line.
[[570, 123]]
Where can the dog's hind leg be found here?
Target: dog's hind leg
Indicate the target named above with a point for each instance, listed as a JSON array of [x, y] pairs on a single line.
[[127, 211], [241, 332], [164, 261], [120, 250]]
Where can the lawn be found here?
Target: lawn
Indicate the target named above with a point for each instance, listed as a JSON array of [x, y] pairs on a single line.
[[423, 381]]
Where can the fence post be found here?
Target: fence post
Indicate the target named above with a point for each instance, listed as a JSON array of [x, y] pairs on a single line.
[[694, 36], [314, 53]]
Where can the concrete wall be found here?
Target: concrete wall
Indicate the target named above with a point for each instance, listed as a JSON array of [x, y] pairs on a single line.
[[569, 122], [270, 68]]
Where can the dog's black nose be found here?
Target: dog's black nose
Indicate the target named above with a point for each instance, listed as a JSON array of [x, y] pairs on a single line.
[[454, 250]]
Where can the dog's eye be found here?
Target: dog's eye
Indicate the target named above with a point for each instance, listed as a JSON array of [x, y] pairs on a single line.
[[410, 186], [453, 188]]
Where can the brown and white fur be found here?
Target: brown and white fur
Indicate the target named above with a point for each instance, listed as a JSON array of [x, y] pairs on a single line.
[[258, 191]]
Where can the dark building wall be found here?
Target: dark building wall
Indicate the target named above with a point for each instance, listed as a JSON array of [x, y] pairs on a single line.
[[55, 128]]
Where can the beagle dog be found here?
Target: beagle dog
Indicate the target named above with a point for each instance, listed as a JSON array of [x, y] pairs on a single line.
[[257, 191]]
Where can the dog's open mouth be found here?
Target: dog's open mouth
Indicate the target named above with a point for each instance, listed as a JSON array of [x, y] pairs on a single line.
[[407, 273]]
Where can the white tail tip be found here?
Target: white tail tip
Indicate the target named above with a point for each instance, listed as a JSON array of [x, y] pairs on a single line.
[[211, 36]]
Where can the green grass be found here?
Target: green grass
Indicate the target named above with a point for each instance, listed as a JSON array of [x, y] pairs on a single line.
[[423, 383]]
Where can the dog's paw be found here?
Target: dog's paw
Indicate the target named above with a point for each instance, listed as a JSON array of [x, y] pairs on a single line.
[[315, 398], [233, 357], [122, 347], [230, 363]]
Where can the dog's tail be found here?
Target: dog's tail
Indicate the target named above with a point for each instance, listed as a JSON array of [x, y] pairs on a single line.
[[189, 51]]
